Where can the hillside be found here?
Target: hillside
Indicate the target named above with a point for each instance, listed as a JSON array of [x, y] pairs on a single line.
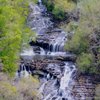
[[49, 49]]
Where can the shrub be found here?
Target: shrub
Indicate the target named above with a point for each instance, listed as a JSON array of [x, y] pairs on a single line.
[[13, 16], [35, 1], [59, 7], [58, 13], [27, 87], [49, 4], [79, 43], [84, 62], [24, 89], [86, 36]]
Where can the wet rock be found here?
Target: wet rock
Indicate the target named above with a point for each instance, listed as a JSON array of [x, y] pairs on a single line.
[[36, 48], [67, 58], [64, 99], [54, 42], [53, 67], [83, 88], [54, 98], [38, 72], [61, 64]]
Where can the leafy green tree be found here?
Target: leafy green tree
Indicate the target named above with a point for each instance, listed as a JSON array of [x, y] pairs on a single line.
[[58, 7], [13, 15], [84, 62], [86, 39]]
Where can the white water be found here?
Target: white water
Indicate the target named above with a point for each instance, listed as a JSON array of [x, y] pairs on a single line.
[[64, 91], [56, 53], [40, 24], [49, 87], [42, 51], [66, 81], [42, 87], [28, 52], [40, 1], [23, 72]]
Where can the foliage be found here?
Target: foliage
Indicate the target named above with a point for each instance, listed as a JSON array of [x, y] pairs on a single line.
[[86, 38], [35, 1], [25, 89], [84, 63], [79, 43], [59, 7], [7, 90], [13, 15], [58, 13], [65, 5], [28, 87]]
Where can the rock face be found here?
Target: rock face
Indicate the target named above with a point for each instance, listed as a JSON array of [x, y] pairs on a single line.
[[84, 88], [67, 57], [42, 67], [53, 70], [53, 41]]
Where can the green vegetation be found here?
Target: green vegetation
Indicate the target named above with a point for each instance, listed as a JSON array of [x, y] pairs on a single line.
[[25, 89], [35, 1], [13, 16], [86, 40], [84, 63], [59, 7]]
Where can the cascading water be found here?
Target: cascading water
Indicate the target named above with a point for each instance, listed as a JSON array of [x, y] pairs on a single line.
[[22, 72], [40, 24], [57, 82], [63, 91], [36, 21], [66, 81], [56, 48]]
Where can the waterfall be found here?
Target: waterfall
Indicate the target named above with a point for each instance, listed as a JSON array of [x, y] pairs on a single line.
[[42, 87], [40, 23], [42, 51], [40, 1], [66, 81], [28, 52], [22, 72], [64, 90], [48, 76], [57, 84], [56, 75]]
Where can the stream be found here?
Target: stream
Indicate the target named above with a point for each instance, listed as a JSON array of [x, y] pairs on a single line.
[[46, 58]]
